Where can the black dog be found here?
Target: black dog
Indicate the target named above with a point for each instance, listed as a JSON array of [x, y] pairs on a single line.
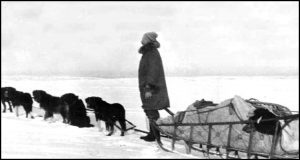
[[5, 97], [110, 113], [51, 105], [265, 127], [21, 99], [77, 110]]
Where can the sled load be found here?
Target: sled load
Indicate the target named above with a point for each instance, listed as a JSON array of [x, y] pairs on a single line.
[[249, 126]]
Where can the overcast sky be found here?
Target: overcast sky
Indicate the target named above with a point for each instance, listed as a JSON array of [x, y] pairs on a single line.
[[102, 38]]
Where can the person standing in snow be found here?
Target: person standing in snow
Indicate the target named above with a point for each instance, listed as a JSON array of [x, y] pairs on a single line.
[[152, 83]]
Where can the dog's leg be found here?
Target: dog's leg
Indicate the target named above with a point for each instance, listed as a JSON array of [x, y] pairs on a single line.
[[64, 118], [26, 110], [99, 125], [123, 126], [111, 125], [111, 132], [17, 111], [107, 126], [31, 116], [4, 105], [48, 114], [10, 106], [30, 111], [64, 112], [68, 115]]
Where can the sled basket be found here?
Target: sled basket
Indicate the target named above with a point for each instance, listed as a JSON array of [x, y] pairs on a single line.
[[221, 126]]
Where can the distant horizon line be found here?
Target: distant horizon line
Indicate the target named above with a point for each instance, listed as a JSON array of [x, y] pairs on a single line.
[[132, 76]]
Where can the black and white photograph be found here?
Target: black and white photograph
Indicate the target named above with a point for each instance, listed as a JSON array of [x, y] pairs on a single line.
[[150, 79]]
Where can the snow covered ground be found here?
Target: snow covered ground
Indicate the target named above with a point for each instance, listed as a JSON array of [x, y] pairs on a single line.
[[35, 138]]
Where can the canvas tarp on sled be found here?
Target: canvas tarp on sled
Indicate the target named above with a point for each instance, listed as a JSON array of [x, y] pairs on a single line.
[[231, 110]]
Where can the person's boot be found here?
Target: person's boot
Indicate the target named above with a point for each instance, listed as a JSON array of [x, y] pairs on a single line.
[[148, 135], [151, 137]]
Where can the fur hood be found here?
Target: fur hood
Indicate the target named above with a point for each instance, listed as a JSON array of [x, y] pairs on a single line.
[[149, 47]]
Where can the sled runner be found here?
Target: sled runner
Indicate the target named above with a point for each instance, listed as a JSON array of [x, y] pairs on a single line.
[[235, 125]]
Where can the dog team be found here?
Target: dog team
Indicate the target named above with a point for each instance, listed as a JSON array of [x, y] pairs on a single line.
[[69, 106]]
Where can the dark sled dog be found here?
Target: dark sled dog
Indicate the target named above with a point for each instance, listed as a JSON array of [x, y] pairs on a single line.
[[19, 98], [51, 105], [77, 110], [109, 113], [5, 92]]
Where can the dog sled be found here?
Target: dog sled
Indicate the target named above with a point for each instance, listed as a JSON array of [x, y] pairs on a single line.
[[221, 129]]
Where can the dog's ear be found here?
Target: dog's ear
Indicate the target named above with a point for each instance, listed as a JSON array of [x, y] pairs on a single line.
[[41, 93], [87, 99], [81, 102], [98, 100], [44, 92]]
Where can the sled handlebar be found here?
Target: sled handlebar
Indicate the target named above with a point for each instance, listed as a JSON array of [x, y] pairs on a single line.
[[170, 112]]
